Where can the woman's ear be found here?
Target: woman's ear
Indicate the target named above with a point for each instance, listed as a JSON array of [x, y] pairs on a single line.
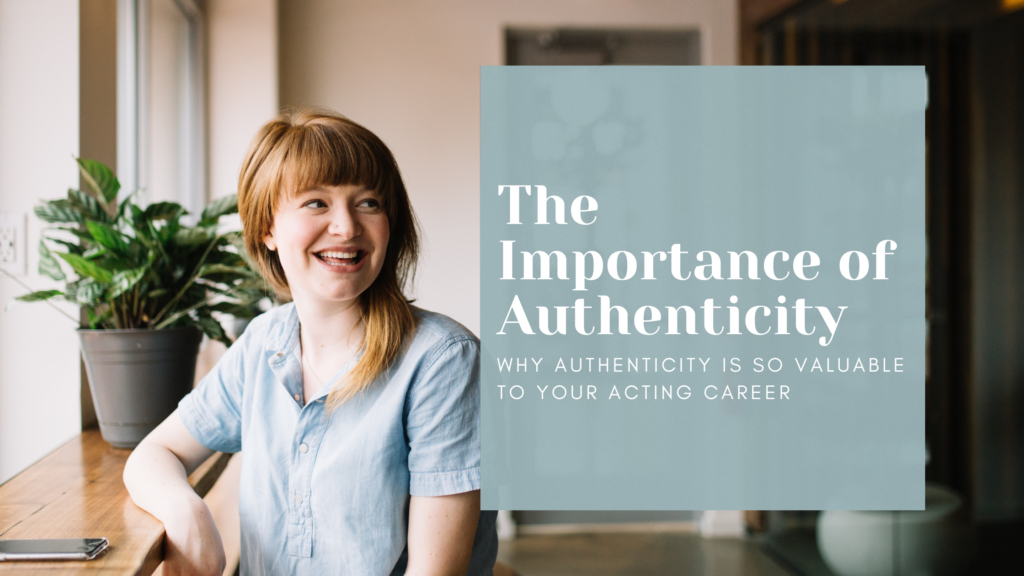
[[269, 241]]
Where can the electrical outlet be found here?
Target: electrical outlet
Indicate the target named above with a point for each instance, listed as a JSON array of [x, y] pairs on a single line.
[[12, 243]]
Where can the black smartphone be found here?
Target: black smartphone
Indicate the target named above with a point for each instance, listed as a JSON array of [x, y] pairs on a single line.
[[55, 549]]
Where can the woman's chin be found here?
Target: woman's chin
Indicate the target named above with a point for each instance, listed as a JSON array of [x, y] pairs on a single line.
[[323, 295]]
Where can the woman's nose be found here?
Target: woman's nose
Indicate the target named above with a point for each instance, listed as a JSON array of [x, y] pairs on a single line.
[[344, 223]]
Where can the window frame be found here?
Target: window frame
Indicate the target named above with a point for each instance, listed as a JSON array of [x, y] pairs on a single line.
[[133, 95]]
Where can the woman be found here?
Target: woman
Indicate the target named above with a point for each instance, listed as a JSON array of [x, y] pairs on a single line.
[[358, 413]]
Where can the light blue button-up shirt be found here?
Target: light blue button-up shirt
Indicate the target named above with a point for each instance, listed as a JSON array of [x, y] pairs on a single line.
[[328, 496]]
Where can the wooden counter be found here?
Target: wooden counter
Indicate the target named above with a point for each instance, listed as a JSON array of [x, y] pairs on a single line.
[[77, 492]]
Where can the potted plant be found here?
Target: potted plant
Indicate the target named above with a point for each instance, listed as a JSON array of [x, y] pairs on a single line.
[[149, 286]]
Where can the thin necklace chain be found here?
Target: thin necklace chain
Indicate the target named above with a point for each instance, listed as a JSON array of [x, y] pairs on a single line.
[[310, 366]]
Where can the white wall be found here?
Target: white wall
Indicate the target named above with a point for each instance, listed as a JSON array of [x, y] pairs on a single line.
[[242, 76], [39, 361], [409, 71]]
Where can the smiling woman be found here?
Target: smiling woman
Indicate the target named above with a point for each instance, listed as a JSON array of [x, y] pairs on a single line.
[[291, 166], [330, 241], [333, 231], [358, 413]]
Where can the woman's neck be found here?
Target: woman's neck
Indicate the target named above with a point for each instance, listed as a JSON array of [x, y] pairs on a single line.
[[329, 329]]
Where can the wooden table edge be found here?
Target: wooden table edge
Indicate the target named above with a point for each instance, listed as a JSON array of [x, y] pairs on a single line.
[[85, 465]]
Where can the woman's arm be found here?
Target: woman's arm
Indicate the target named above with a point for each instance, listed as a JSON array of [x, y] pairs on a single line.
[[441, 532], [156, 476]]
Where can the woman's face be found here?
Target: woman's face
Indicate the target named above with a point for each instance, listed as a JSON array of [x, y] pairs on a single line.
[[331, 241]]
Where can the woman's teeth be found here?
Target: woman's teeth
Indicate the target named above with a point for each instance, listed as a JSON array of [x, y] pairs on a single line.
[[339, 258], [339, 254]]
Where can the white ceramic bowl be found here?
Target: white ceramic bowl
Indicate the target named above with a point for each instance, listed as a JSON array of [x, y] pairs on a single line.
[[932, 542]]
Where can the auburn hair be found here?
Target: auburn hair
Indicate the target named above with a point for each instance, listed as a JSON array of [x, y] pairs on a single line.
[[310, 148]]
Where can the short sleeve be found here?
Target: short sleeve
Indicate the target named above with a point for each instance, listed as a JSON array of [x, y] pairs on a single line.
[[443, 421], [212, 412]]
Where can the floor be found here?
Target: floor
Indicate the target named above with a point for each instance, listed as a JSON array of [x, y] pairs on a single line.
[[636, 555], [997, 551]]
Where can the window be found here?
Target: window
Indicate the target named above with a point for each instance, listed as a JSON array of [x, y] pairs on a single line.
[[161, 102]]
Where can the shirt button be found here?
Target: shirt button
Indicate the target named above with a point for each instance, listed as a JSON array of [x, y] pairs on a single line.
[[303, 448], [298, 498], [297, 398]]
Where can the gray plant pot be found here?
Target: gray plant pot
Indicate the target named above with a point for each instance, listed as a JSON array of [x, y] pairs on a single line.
[[137, 378]]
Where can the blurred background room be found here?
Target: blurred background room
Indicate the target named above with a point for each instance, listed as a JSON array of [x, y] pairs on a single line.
[[169, 92]]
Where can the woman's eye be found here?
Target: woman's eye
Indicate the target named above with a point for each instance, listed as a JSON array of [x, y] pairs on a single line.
[[315, 204], [370, 203]]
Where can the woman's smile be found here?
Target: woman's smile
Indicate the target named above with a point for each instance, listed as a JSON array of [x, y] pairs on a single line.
[[342, 260], [331, 241]]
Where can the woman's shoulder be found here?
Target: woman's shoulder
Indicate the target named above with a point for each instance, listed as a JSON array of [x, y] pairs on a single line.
[[271, 326], [443, 359], [434, 330]]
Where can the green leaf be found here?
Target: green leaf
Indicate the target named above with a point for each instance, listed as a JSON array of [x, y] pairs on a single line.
[[88, 292], [39, 295], [191, 236], [85, 238], [211, 327], [88, 206], [99, 179], [59, 212], [208, 269], [87, 268], [213, 287], [107, 237], [256, 283], [70, 289], [137, 220], [156, 241], [71, 246], [94, 252], [147, 241], [97, 320], [125, 280], [226, 258], [219, 207], [162, 233], [237, 240], [234, 309], [164, 211], [122, 210], [48, 265]]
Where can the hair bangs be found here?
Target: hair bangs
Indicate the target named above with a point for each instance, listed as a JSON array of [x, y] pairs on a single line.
[[321, 154]]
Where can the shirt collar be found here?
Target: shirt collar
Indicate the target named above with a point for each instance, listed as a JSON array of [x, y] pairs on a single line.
[[284, 342], [284, 335]]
